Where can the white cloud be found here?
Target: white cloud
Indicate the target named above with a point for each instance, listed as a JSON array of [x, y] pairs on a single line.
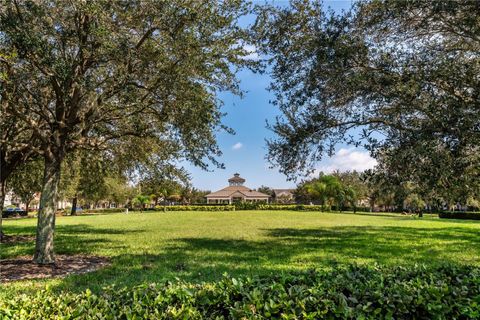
[[252, 52], [237, 146], [348, 159]]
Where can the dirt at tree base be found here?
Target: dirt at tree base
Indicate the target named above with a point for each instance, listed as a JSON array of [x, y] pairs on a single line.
[[23, 268]]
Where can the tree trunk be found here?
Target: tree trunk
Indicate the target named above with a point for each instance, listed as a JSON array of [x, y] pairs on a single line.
[[46, 213], [27, 206], [74, 206], [2, 201]]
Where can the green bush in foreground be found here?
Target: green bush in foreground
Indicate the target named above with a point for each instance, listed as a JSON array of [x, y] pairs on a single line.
[[352, 292], [469, 215]]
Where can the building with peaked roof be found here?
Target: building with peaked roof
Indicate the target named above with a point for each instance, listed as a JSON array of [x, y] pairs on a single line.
[[236, 192], [284, 195]]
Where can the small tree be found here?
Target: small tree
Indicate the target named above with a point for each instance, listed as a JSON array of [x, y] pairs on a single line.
[[266, 190], [198, 196], [141, 201], [317, 190], [26, 181], [118, 189], [473, 202], [350, 197], [333, 190], [414, 203], [326, 189]]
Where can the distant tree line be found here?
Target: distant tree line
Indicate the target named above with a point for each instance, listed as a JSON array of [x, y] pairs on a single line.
[[373, 189]]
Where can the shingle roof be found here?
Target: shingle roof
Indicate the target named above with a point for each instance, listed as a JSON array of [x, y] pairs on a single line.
[[283, 191], [228, 191]]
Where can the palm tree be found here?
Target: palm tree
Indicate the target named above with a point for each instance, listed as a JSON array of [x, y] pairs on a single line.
[[141, 201], [350, 197], [327, 189], [317, 191]]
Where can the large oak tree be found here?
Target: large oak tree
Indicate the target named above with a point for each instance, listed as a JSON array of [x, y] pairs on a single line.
[[89, 73], [398, 77]]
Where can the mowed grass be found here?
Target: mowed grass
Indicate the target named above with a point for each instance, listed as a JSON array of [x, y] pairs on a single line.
[[201, 246]]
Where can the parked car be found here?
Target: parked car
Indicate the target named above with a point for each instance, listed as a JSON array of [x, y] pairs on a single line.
[[14, 212], [13, 209]]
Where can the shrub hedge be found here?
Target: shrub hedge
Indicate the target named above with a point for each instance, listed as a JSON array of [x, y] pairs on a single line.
[[159, 208], [351, 292], [470, 215], [236, 206], [196, 208], [104, 210], [357, 209], [217, 207], [295, 207], [98, 210], [248, 205]]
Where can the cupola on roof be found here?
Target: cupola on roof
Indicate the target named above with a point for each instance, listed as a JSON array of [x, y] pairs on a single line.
[[236, 180], [236, 192]]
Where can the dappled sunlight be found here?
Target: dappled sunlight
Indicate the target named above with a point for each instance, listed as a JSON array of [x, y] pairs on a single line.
[[201, 246]]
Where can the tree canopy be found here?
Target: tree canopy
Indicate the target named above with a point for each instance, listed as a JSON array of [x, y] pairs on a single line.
[[89, 75], [398, 77]]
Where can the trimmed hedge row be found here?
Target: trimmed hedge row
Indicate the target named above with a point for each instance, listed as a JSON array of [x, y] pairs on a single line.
[[236, 206], [295, 207], [160, 208], [470, 215], [101, 210], [196, 208], [352, 292]]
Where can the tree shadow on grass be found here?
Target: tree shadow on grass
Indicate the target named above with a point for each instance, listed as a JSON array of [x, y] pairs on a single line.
[[387, 245], [450, 221], [427, 217], [362, 231], [69, 239], [284, 249]]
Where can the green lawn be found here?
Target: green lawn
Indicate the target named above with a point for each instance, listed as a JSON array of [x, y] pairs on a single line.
[[197, 246]]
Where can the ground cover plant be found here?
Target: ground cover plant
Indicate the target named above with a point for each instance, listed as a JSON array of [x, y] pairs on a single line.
[[202, 246], [351, 292]]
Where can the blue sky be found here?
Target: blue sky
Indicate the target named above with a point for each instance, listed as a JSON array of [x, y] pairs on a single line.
[[245, 151]]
